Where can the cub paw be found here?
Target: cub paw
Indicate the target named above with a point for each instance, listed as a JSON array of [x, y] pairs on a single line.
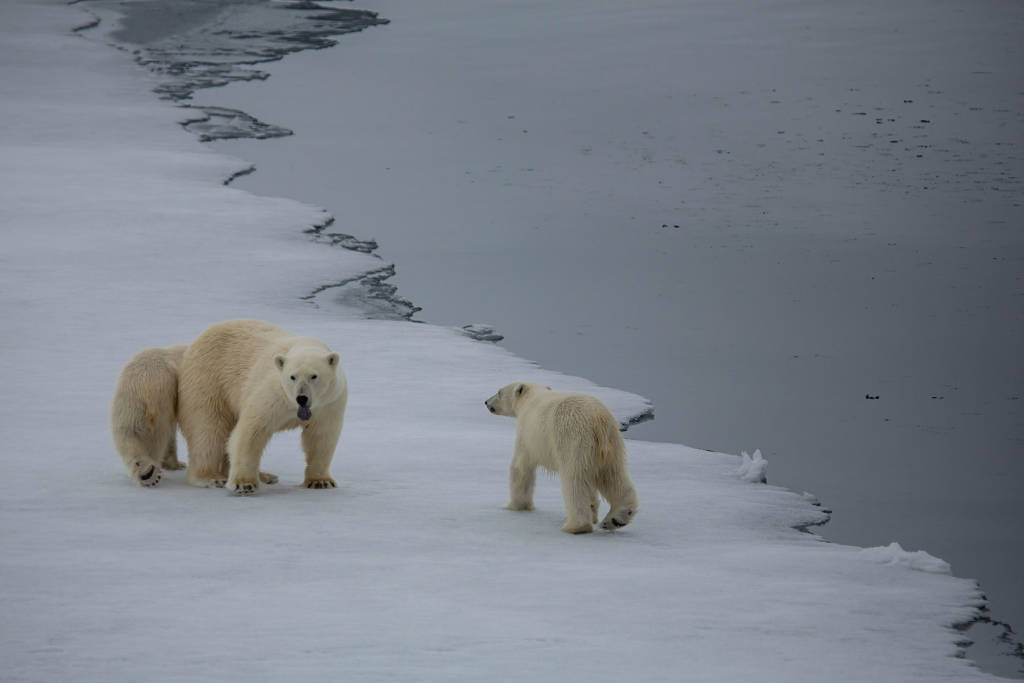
[[617, 519], [146, 473], [583, 528], [519, 507], [268, 478], [327, 483]]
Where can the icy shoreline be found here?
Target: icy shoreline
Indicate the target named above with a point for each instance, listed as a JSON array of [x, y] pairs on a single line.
[[412, 569], [195, 45]]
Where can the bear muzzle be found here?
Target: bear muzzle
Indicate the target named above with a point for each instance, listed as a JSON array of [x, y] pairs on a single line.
[[304, 413]]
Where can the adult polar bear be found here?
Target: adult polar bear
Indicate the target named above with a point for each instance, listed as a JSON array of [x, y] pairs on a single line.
[[244, 380], [576, 436]]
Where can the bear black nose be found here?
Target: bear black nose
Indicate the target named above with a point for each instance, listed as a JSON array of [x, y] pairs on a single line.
[[302, 400]]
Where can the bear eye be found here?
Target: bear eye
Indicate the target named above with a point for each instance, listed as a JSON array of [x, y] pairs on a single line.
[[293, 378], [313, 377]]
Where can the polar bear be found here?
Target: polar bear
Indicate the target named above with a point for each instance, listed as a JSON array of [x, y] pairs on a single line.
[[142, 413], [244, 380], [575, 436]]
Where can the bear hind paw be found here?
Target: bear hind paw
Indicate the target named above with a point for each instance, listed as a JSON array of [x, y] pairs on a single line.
[[327, 483], [617, 519], [146, 473]]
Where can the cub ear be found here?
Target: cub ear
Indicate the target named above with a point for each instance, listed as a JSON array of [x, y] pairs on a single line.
[[332, 359], [279, 362], [519, 389]]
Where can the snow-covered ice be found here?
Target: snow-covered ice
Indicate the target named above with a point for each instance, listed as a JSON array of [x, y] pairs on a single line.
[[120, 234], [894, 554]]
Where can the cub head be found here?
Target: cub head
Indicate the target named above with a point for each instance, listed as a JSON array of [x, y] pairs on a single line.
[[508, 398], [309, 377]]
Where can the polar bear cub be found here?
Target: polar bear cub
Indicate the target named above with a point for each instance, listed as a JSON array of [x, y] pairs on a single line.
[[244, 380], [143, 418], [575, 436]]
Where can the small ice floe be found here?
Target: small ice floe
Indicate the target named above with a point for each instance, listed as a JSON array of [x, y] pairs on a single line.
[[754, 468], [895, 555], [481, 332], [816, 502]]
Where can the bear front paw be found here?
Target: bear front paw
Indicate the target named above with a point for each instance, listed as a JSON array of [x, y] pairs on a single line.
[[577, 528], [327, 483], [243, 488]]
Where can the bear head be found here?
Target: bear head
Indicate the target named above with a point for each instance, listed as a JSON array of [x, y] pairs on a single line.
[[309, 377], [507, 400]]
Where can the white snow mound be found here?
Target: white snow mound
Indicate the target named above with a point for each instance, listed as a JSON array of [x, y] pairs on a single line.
[[894, 554], [754, 468]]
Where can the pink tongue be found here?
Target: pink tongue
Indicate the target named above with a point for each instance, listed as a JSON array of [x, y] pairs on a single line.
[[305, 413]]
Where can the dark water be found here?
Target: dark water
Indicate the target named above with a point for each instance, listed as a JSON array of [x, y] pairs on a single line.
[[828, 269]]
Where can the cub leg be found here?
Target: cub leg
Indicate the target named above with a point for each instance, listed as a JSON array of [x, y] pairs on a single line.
[[521, 479], [170, 460], [579, 497], [616, 487], [137, 460]]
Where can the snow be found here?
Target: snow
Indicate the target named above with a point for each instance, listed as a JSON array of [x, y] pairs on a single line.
[[754, 468], [120, 234], [894, 554]]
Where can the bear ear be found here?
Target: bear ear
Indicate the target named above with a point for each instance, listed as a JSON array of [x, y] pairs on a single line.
[[279, 362], [519, 389], [332, 359]]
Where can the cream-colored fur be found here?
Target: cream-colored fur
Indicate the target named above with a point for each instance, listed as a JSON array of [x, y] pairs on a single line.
[[575, 436], [143, 419], [241, 381]]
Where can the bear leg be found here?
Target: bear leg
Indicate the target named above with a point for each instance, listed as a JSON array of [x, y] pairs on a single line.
[[135, 454], [521, 480], [245, 448], [319, 439], [170, 460], [578, 494], [616, 486], [207, 443]]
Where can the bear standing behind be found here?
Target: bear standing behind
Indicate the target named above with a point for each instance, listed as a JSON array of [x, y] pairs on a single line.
[[143, 419], [244, 380], [575, 436]]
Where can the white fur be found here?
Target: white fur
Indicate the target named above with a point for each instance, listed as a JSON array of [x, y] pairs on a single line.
[[143, 422], [575, 436], [237, 391]]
